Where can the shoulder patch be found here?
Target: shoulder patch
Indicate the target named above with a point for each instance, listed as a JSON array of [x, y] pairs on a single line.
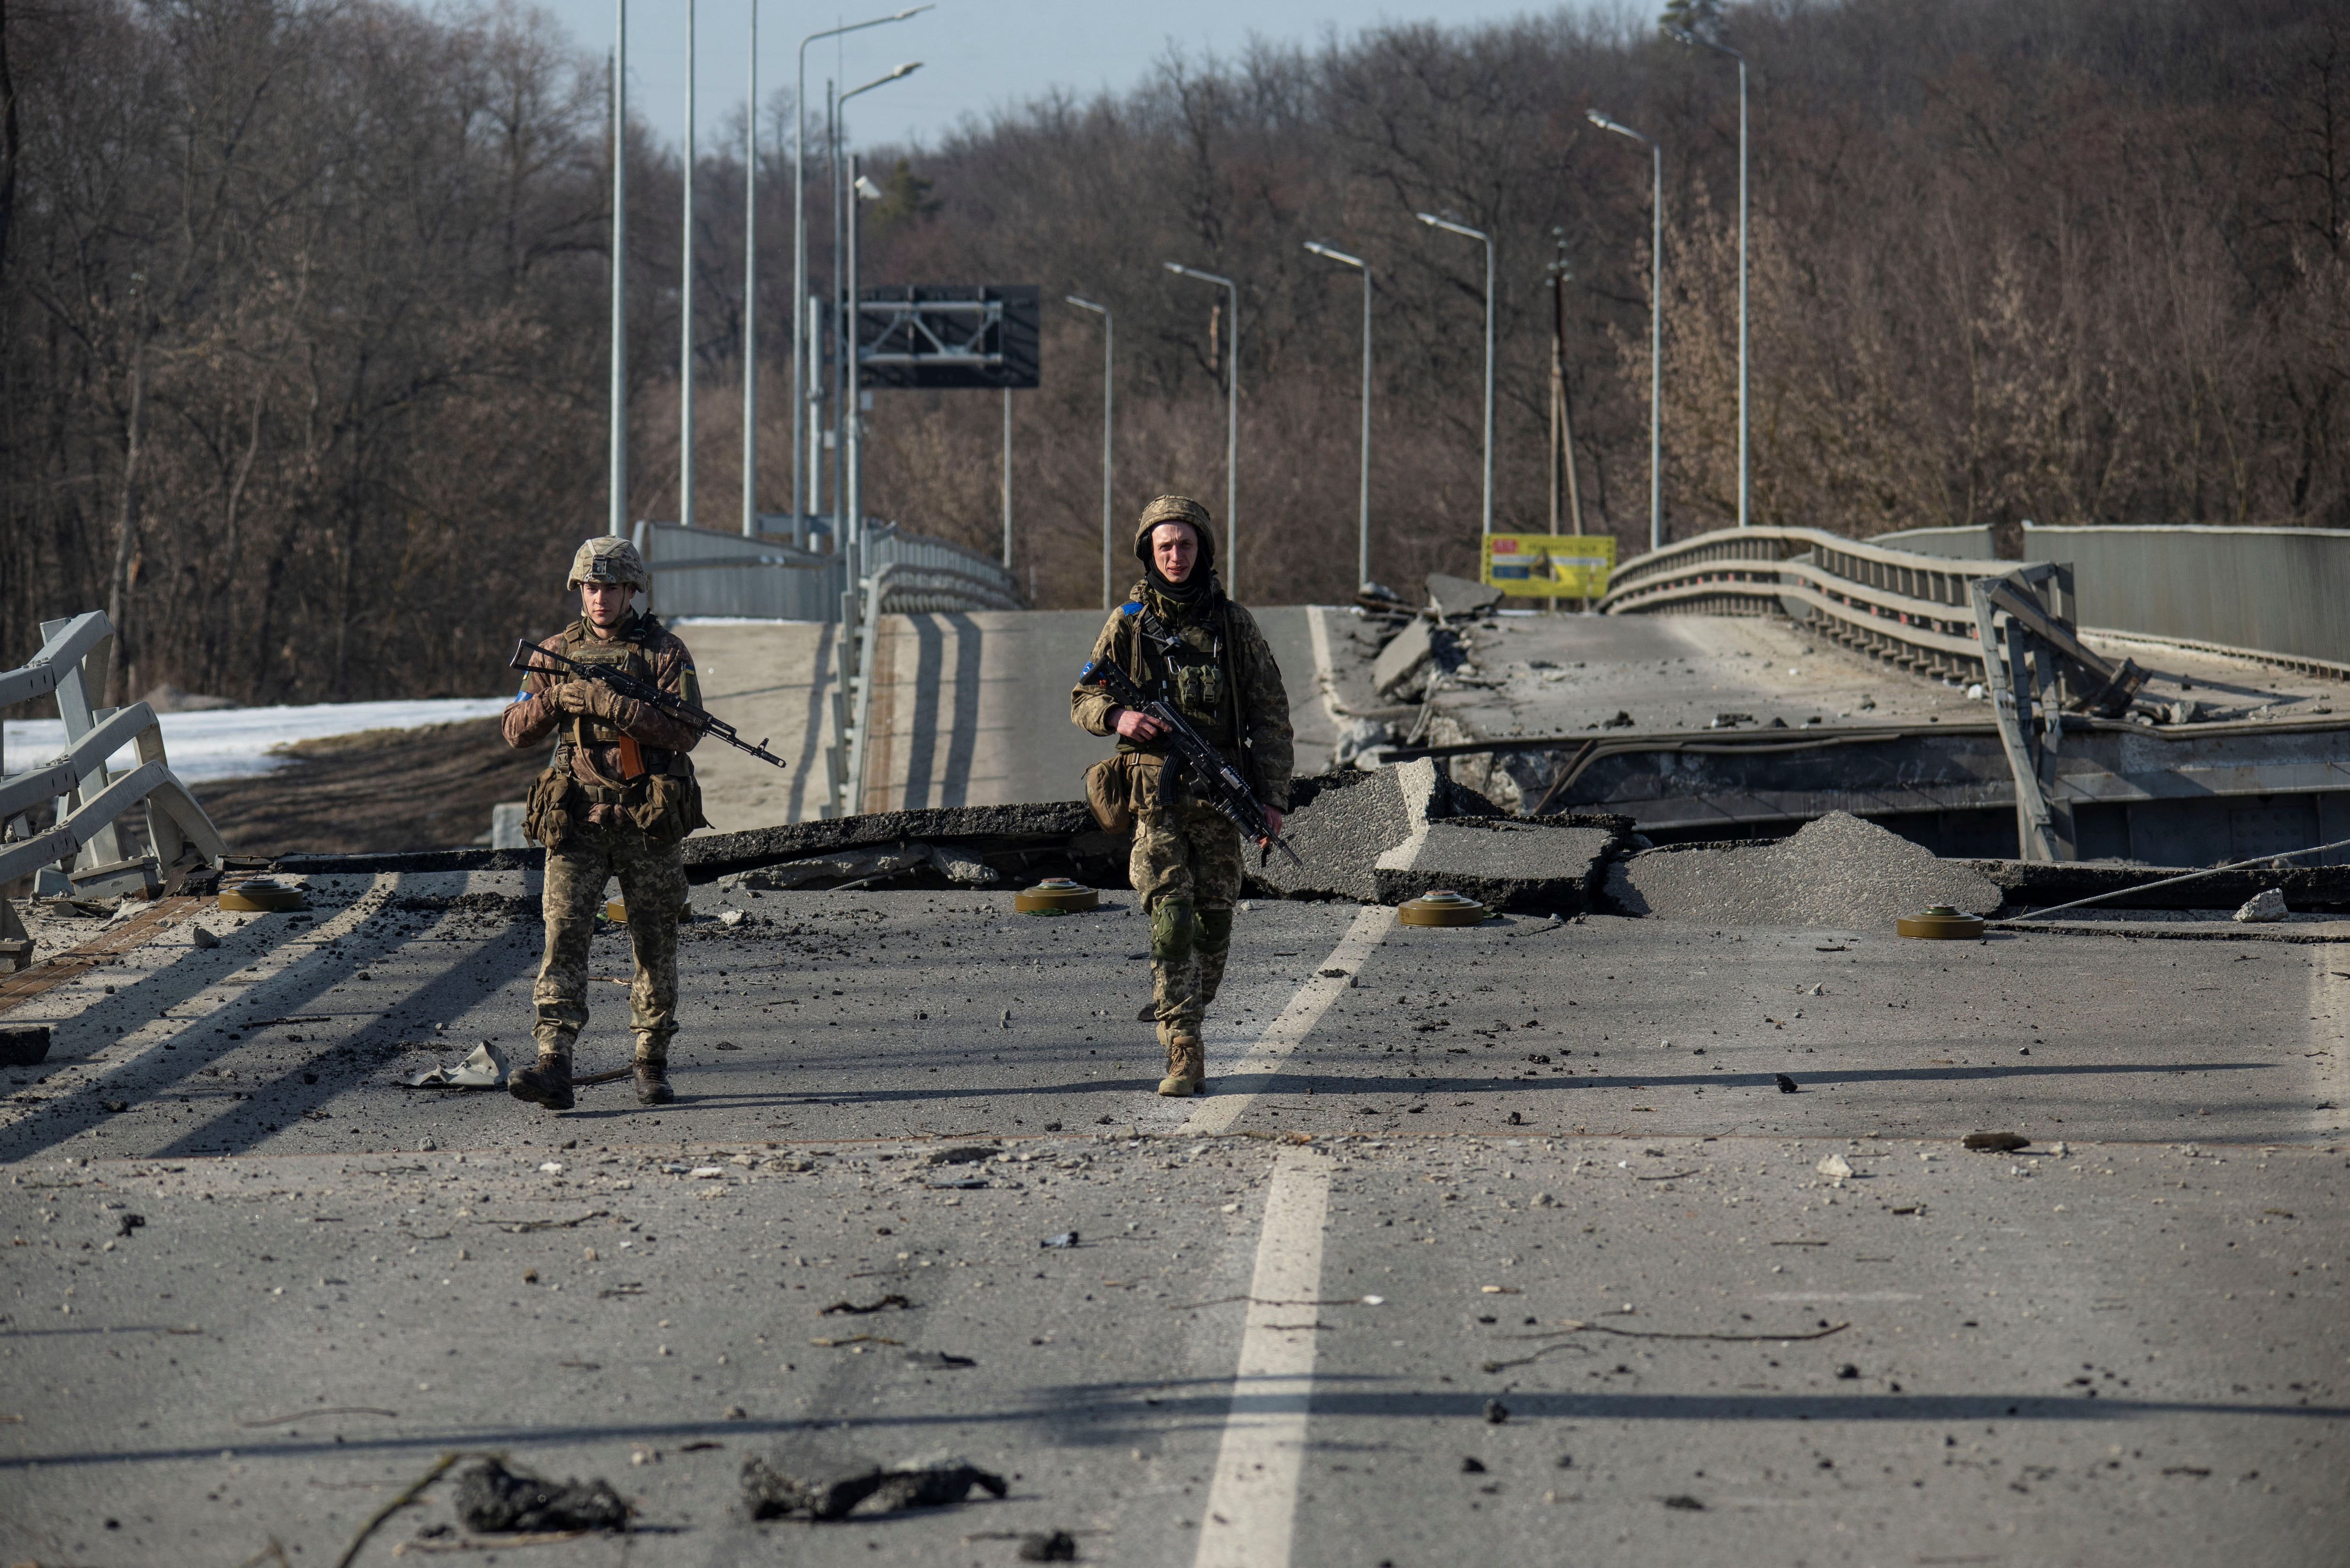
[[1130, 608]]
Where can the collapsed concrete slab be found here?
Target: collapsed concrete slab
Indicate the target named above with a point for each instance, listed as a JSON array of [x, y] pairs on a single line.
[[1385, 837], [1421, 650], [1454, 598], [1836, 871]]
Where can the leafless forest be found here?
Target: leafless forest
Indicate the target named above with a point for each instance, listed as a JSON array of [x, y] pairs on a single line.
[[304, 368]]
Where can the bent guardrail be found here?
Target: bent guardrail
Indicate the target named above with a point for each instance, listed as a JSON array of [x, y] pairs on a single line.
[[1913, 610], [92, 800]]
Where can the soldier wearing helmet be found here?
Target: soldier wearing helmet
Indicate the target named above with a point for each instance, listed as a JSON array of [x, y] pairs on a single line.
[[616, 802], [1180, 638]]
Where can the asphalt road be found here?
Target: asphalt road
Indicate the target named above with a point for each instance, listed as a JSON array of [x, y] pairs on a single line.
[[968, 710], [1703, 1348]]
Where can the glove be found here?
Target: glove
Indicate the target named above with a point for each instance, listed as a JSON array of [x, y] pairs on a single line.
[[574, 697], [602, 702]]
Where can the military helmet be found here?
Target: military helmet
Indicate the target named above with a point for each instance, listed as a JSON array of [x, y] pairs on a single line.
[[609, 558], [1176, 509]]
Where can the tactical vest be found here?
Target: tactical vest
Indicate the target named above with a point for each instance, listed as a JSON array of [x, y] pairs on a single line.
[[663, 799], [1186, 668]]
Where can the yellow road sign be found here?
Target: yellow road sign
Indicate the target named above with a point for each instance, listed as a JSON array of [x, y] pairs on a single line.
[[1549, 565]]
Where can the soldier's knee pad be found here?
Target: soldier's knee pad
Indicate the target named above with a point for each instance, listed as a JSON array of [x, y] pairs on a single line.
[[1173, 931], [1215, 931]]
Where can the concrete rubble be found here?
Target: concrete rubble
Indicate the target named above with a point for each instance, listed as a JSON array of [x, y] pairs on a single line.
[[830, 1487], [1405, 830], [494, 1499], [1837, 871]]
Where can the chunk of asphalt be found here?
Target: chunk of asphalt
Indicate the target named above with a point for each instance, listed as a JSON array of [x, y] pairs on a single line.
[[1386, 836], [965, 1154], [809, 1486], [1835, 871], [1055, 1546], [492, 1500], [1995, 1142]]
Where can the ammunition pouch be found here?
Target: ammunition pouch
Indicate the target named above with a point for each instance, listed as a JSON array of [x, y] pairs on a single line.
[[666, 806], [546, 813], [1111, 794]]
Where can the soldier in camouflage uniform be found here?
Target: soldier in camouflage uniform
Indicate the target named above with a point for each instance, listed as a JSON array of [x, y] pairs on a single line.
[[616, 802], [1182, 641]]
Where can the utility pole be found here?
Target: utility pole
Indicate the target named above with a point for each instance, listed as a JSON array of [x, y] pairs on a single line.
[[619, 479], [1562, 462], [685, 306]]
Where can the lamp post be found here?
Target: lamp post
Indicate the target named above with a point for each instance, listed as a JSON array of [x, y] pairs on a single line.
[[685, 306], [1656, 320], [1232, 426], [849, 419], [1745, 480], [1108, 393], [1363, 504], [1448, 226], [799, 261], [619, 478]]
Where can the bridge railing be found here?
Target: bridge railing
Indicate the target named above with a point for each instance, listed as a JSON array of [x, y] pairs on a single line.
[[90, 800], [1911, 609]]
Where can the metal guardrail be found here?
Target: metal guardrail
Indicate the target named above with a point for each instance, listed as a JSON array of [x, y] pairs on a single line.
[[1910, 610], [90, 799]]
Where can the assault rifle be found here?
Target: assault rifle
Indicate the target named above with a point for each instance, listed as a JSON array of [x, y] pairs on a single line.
[[1217, 782], [526, 657]]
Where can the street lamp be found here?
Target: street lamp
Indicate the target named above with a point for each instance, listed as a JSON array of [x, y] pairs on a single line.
[[619, 479], [1745, 487], [1232, 427], [1447, 225], [685, 306], [1363, 507], [1656, 320], [1107, 393], [799, 263], [848, 418]]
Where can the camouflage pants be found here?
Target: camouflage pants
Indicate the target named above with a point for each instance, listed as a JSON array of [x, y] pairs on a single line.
[[1186, 871], [653, 885]]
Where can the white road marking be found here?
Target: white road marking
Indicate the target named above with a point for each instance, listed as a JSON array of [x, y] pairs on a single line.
[[1252, 1501], [1217, 1113]]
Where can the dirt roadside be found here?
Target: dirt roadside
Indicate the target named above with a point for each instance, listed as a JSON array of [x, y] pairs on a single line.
[[428, 788]]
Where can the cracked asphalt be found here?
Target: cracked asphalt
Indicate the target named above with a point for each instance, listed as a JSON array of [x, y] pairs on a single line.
[[1715, 1320]]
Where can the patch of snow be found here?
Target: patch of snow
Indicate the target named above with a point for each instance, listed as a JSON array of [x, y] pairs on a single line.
[[238, 743]]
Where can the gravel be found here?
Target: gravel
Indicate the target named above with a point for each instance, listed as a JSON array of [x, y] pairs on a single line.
[[1837, 871]]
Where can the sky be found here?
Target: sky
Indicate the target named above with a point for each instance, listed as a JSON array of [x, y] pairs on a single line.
[[977, 55]]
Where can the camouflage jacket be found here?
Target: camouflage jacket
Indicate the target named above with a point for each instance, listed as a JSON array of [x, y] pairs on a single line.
[[642, 648], [1222, 677]]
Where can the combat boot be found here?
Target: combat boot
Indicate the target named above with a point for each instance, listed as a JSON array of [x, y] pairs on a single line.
[[1187, 1066], [653, 1074], [547, 1084]]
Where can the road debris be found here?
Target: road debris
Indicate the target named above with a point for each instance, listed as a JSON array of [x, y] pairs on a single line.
[[492, 1498], [1835, 1166], [485, 1067], [853, 1309], [2263, 908], [1065, 1239], [1837, 871], [1057, 1546], [1568, 1327], [1995, 1142], [1786, 1085], [785, 1487]]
